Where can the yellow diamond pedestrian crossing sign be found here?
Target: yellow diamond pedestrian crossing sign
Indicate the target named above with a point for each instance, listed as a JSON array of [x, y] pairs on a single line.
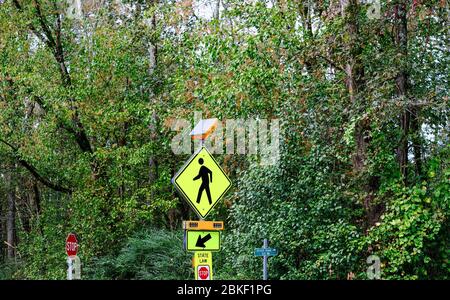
[[202, 182]]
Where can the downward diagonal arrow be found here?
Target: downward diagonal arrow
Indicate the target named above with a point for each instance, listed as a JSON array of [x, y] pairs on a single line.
[[201, 241]]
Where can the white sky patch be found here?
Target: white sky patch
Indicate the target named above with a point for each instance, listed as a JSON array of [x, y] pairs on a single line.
[[205, 8]]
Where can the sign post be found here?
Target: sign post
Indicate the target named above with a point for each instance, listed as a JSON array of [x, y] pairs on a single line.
[[202, 183], [74, 269], [265, 252], [265, 245]]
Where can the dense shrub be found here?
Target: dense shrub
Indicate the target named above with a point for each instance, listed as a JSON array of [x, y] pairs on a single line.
[[149, 254]]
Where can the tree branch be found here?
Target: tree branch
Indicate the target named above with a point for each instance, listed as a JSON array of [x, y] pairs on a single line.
[[43, 22], [332, 63], [34, 171], [55, 45], [32, 27]]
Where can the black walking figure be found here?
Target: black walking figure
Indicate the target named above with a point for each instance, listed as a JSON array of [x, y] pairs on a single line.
[[203, 173]]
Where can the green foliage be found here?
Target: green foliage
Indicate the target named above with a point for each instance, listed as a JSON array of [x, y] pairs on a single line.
[[309, 222], [7, 270], [42, 251], [149, 254], [413, 234]]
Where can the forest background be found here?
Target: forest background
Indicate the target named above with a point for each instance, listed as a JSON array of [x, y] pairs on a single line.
[[89, 91]]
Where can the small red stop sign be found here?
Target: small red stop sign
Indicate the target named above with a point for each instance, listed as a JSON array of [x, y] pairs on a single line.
[[71, 245], [203, 272]]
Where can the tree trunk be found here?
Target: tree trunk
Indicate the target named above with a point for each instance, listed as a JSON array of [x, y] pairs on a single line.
[[307, 17], [355, 81], [37, 198], [2, 229], [153, 164], [11, 214], [152, 50], [403, 147], [354, 68], [217, 10], [416, 141], [401, 41], [410, 124]]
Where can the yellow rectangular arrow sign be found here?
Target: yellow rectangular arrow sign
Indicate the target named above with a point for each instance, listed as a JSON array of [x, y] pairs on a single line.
[[204, 240]]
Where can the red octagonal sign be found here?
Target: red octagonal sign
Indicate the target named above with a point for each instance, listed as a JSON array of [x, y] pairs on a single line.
[[71, 244], [203, 272]]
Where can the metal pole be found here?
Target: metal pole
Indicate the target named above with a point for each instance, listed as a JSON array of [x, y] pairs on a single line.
[[201, 139], [69, 270], [266, 244]]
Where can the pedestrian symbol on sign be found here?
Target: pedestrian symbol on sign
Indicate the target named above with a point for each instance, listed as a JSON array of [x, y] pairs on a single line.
[[205, 174]]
